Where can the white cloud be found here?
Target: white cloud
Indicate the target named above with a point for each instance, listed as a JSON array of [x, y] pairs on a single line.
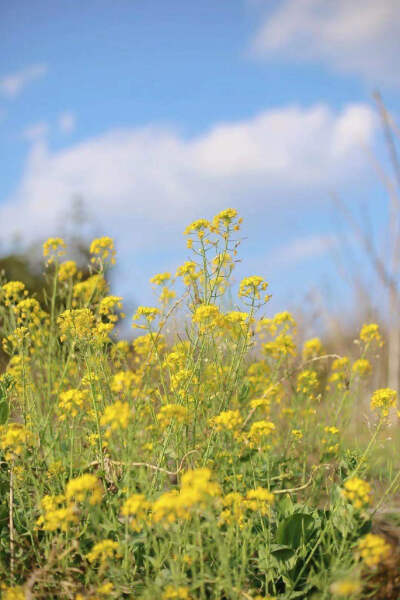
[[354, 36], [35, 132], [11, 85], [142, 183], [301, 249], [67, 122]]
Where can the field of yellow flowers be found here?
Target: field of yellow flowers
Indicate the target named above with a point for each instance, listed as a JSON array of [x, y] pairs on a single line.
[[210, 458]]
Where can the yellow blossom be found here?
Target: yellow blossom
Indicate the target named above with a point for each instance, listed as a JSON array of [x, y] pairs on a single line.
[[383, 400], [358, 492], [104, 550], [373, 549], [136, 507], [312, 348], [370, 333], [54, 247], [84, 487], [346, 587], [103, 250], [116, 416], [67, 270]]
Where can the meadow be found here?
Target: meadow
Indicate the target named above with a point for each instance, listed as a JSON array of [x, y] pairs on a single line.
[[212, 457]]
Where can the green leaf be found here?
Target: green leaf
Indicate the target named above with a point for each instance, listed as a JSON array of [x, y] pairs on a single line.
[[4, 412], [282, 552], [296, 530]]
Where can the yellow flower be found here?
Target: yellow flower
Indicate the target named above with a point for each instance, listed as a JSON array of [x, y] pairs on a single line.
[[160, 278], [207, 316], [200, 226], [312, 348], [259, 431], [71, 403], [116, 416], [16, 592], [12, 292], [228, 420], [77, 323], [373, 549], [103, 250], [149, 313], [104, 550], [67, 270], [84, 487], [54, 247], [346, 587], [297, 434], [259, 500], [370, 333], [14, 439], [383, 400], [108, 305], [307, 383], [176, 593], [282, 346], [358, 492], [225, 218], [136, 506], [55, 516], [171, 413], [251, 287], [361, 367]]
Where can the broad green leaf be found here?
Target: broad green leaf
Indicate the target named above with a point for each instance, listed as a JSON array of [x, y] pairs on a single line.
[[296, 530]]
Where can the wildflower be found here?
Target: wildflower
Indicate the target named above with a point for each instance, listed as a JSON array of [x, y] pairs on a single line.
[[259, 431], [105, 589], [383, 400], [312, 348], [77, 323], [14, 439], [373, 549], [340, 375], [84, 487], [136, 506], [346, 587], [15, 592], [228, 420], [207, 316], [89, 290], [116, 416], [166, 295], [176, 593], [108, 305], [259, 500], [282, 322], [71, 403], [160, 278], [147, 312], [67, 270], [197, 488], [297, 434], [171, 413], [361, 367], [251, 287], [12, 292], [103, 250], [54, 247], [55, 515], [225, 218], [102, 551], [122, 381], [307, 383], [282, 346], [370, 333], [200, 226], [358, 492]]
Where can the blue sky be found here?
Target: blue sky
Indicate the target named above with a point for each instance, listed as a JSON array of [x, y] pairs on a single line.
[[163, 111]]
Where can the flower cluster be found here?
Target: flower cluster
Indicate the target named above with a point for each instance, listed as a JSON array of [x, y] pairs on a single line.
[[358, 492], [373, 549]]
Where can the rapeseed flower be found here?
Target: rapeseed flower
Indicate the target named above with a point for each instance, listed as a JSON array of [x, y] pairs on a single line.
[[373, 549], [383, 400], [358, 492], [85, 487]]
